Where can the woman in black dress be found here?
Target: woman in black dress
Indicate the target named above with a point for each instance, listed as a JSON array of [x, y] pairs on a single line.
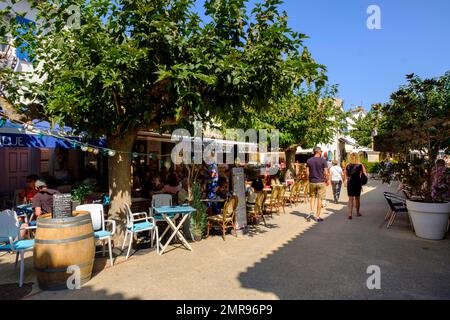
[[353, 173]]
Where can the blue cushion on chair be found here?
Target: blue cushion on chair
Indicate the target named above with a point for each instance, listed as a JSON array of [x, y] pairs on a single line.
[[102, 234], [19, 245], [142, 226]]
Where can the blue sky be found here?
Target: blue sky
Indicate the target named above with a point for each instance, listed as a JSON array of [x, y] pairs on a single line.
[[368, 65]]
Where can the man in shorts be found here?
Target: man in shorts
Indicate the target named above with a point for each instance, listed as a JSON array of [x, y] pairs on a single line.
[[318, 175]]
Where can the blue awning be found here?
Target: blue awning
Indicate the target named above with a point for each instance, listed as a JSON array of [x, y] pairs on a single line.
[[14, 135]]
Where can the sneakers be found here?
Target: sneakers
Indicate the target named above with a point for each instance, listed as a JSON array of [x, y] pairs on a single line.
[[311, 216]]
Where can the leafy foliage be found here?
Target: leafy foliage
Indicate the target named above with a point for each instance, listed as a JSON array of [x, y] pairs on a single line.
[[363, 128], [372, 167], [81, 192], [135, 64], [418, 118], [147, 64], [198, 221], [305, 118]]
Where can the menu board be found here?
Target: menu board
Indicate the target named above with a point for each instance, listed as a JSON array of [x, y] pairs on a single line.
[[239, 191], [62, 205]]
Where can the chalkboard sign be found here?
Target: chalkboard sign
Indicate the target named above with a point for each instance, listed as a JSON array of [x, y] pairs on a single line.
[[62, 205], [239, 191]]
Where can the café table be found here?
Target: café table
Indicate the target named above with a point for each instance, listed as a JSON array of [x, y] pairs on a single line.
[[25, 211], [170, 213], [213, 200]]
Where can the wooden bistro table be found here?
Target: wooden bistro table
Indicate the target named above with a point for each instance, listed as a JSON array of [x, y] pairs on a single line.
[[170, 214]]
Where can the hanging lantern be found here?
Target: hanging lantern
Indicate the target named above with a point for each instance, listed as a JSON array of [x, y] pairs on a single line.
[[2, 122], [90, 149], [111, 153], [95, 151], [84, 148]]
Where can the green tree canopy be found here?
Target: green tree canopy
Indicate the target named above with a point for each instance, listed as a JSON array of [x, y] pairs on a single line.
[[307, 117], [417, 117], [141, 64], [364, 127]]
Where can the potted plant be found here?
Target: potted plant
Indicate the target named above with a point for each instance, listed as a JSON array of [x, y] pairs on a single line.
[[79, 194], [198, 219], [428, 209], [417, 118]]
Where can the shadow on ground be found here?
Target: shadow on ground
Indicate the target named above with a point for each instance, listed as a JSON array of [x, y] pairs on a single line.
[[330, 260], [12, 291], [85, 293]]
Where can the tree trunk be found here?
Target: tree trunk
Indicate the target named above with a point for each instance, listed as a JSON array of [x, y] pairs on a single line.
[[119, 178], [290, 163]]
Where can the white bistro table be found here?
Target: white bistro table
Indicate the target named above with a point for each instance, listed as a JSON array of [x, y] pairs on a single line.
[[170, 214]]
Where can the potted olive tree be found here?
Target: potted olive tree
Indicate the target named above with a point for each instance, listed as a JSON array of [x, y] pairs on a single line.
[[417, 118]]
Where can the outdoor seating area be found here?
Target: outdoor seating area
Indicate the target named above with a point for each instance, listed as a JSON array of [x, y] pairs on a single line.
[[162, 224], [224, 149]]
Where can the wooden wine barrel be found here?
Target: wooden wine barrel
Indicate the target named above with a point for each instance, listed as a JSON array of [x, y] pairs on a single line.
[[61, 243]]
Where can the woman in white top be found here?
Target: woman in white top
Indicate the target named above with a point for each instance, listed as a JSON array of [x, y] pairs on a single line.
[[336, 180]]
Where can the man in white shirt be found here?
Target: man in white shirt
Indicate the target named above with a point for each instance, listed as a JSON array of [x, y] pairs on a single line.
[[336, 180]]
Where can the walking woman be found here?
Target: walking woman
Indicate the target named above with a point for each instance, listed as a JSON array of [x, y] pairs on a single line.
[[353, 175]]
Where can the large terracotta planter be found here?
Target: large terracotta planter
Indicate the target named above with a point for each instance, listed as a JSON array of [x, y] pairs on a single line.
[[430, 220]]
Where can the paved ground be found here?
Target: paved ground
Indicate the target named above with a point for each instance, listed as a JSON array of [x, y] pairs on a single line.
[[290, 259]]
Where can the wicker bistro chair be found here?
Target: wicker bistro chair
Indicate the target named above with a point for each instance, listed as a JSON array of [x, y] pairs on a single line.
[[271, 204], [303, 192], [257, 211], [291, 197], [226, 218], [281, 202]]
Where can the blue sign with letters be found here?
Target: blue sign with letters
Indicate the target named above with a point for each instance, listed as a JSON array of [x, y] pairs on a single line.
[[10, 137]]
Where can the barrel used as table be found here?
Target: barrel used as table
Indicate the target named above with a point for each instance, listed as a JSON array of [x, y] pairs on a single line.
[[62, 247]]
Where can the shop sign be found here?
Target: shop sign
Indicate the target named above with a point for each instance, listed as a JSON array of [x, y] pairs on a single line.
[[12, 141]]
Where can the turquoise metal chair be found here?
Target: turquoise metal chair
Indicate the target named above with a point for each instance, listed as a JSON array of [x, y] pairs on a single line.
[[98, 222], [9, 233], [139, 222]]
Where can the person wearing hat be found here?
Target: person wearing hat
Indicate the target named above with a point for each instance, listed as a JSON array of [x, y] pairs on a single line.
[[43, 200]]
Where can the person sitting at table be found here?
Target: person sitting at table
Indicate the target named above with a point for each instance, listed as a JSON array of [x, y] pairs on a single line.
[[183, 195], [157, 184], [42, 203], [222, 190], [43, 200], [256, 187], [27, 194], [163, 175], [173, 185]]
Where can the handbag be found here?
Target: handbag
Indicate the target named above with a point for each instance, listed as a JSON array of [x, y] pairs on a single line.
[[364, 179]]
